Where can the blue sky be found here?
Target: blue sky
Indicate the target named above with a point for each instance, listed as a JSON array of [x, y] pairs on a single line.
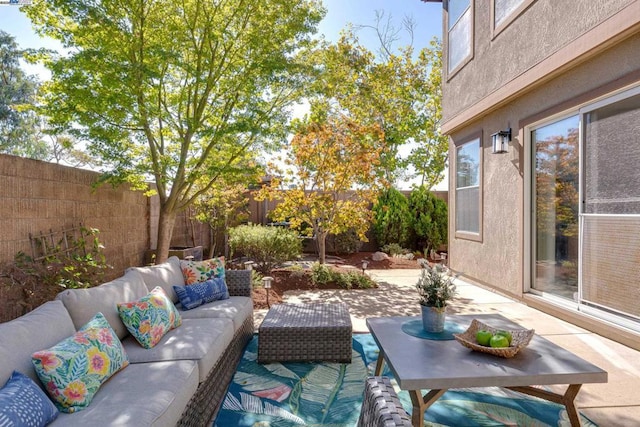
[[428, 17]]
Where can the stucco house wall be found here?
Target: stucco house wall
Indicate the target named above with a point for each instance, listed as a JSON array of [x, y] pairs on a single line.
[[499, 259], [554, 56]]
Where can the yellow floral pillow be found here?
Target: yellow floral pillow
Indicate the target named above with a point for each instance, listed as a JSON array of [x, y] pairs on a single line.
[[73, 370]]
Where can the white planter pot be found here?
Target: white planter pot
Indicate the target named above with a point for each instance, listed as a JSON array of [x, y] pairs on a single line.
[[433, 318]]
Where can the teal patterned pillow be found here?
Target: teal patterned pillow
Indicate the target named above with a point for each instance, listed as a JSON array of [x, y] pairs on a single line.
[[150, 318], [192, 296], [73, 370], [201, 271]]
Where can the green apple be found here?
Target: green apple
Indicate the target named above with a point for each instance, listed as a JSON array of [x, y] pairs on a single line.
[[506, 334], [483, 337], [498, 341]]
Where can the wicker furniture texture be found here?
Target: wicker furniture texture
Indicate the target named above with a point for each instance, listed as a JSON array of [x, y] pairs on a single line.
[[305, 332], [381, 406], [206, 402]]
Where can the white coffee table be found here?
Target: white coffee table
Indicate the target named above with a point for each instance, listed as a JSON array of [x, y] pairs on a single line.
[[422, 364]]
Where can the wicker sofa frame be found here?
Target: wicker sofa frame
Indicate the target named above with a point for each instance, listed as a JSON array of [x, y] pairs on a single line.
[[206, 402], [381, 406]]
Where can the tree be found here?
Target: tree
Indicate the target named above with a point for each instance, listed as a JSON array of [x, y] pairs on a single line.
[[18, 122], [225, 204], [392, 219], [429, 221], [173, 91], [334, 162], [400, 91]]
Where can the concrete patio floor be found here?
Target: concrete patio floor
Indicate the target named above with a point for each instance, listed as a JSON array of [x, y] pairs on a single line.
[[615, 403]]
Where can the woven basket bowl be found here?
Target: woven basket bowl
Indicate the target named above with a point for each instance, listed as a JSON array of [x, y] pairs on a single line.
[[520, 339]]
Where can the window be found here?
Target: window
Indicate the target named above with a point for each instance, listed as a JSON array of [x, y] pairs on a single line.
[[505, 11], [468, 178], [460, 30]]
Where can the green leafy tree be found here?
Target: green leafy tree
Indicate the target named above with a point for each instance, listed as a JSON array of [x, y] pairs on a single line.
[[226, 204], [173, 91], [18, 122], [391, 218], [398, 90], [429, 221]]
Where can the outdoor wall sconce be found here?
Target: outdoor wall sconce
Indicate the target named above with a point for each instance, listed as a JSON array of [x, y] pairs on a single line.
[[266, 283], [500, 141]]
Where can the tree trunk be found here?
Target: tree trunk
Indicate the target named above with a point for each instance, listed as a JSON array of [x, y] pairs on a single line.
[[322, 246], [165, 230]]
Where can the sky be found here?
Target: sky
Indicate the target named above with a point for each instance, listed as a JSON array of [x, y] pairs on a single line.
[[427, 16]]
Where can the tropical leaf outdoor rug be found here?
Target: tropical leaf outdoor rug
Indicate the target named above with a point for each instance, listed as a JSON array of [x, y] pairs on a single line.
[[330, 394]]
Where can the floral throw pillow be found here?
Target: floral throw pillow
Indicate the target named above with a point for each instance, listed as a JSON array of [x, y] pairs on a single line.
[[192, 296], [23, 403], [73, 370], [201, 271], [150, 318]]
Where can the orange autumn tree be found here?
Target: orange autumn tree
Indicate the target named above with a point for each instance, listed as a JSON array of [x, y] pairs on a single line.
[[329, 180]]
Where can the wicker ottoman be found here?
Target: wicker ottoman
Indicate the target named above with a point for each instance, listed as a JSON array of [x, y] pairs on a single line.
[[305, 333]]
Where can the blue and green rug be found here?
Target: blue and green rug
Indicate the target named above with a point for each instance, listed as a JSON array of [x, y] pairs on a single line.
[[330, 394]]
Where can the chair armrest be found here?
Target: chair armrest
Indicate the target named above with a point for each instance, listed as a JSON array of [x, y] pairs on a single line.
[[381, 406], [238, 282]]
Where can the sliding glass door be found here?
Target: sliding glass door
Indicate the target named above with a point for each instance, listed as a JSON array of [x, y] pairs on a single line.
[[585, 215], [556, 207]]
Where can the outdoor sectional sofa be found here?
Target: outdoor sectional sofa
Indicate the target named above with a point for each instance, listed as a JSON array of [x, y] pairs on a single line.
[[180, 381]]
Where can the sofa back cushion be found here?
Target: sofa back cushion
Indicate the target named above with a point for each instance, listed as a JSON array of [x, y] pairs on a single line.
[[38, 329], [83, 304], [164, 275]]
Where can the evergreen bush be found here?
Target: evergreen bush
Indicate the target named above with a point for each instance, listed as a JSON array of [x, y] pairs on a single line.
[[392, 218], [429, 220]]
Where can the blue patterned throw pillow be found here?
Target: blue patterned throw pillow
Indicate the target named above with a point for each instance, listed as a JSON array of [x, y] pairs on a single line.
[[23, 403], [192, 296]]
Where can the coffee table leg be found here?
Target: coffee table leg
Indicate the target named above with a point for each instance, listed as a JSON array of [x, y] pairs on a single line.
[[379, 363], [567, 399], [420, 404]]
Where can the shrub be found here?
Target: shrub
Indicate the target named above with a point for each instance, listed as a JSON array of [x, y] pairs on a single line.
[[395, 249], [430, 219], [268, 247], [322, 274], [391, 218], [26, 283], [353, 279], [346, 243]]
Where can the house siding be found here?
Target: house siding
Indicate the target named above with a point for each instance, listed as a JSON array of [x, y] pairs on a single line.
[[499, 259], [531, 40], [553, 58]]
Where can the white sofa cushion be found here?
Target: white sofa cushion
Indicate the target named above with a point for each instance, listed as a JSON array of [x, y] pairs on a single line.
[[164, 275], [235, 308], [202, 340], [39, 329], [83, 304], [144, 394]]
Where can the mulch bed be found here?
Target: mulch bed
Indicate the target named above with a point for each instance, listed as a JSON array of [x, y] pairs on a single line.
[[286, 280]]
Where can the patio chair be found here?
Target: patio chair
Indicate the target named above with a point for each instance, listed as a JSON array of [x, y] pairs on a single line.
[[381, 406]]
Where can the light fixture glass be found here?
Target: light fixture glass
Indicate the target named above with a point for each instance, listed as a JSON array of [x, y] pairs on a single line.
[[500, 141], [266, 283]]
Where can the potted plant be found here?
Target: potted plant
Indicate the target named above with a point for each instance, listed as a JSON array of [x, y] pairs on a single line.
[[436, 289]]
